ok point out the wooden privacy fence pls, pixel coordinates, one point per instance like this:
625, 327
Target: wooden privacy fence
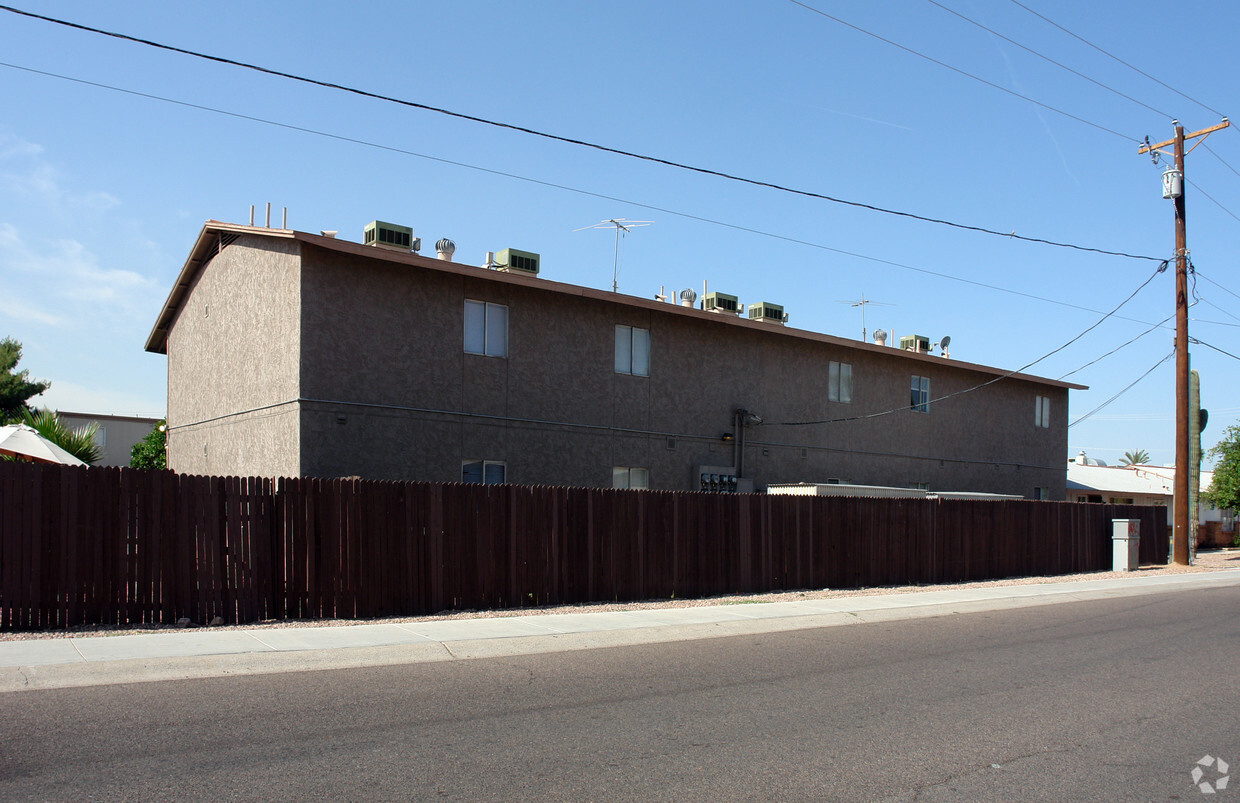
106, 545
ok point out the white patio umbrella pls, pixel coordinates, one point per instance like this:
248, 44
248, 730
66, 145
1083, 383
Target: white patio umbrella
21, 441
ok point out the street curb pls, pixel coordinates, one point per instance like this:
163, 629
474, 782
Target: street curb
831, 612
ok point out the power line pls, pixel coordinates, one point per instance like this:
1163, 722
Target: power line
1048, 59
1220, 309
1117, 348
1220, 158
563, 187
959, 71
1009, 374
1216, 348
1125, 390
1201, 275
1117, 58
582, 143
1212, 200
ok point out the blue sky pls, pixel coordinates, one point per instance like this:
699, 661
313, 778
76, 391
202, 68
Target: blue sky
102, 193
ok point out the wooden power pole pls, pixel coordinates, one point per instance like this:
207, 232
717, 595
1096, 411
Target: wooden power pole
1180, 515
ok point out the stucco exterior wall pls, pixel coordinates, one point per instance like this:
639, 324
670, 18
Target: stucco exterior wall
391, 394
116, 435
233, 365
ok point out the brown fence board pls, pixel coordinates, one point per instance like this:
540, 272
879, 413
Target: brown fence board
123, 546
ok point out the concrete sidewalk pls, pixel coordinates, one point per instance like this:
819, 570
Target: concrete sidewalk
184, 654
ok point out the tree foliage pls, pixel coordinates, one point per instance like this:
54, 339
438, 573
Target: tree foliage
1136, 457
16, 387
1224, 490
151, 451
78, 442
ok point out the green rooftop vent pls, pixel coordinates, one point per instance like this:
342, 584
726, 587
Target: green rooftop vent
389, 235
513, 261
721, 302
766, 311
917, 343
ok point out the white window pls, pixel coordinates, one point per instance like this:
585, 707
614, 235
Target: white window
839, 382
919, 401
630, 477
1042, 411
486, 328
485, 472
1041, 492
632, 351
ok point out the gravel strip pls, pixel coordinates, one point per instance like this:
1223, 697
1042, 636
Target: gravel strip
1211, 561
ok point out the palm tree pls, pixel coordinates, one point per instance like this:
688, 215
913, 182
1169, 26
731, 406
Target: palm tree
1135, 458
78, 442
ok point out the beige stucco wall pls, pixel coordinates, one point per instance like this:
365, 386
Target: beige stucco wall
395, 397
233, 364
116, 435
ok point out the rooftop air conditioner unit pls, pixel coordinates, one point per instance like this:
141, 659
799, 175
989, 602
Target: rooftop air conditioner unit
720, 302
513, 261
766, 311
917, 343
388, 235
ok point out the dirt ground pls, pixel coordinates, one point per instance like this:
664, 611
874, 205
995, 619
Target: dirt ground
1207, 561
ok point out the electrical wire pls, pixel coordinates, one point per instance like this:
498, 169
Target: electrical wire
1215, 348
1012, 235
1211, 199
1122, 392
565, 188
1116, 58
959, 71
1009, 374
1220, 158
1220, 309
1117, 348
1216, 284
1049, 59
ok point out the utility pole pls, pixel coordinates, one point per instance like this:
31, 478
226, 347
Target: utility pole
1180, 515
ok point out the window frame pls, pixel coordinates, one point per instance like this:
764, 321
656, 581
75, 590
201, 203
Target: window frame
485, 466
919, 394
1042, 411
491, 326
627, 360
839, 382
628, 473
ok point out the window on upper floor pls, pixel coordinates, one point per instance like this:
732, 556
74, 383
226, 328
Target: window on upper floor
484, 472
630, 477
839, 382
919, 400
632, 351
1042, 411
486, 328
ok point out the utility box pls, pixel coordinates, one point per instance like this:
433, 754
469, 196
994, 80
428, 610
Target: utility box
1125, 544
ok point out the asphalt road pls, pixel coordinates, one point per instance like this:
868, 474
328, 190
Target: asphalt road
1102, 700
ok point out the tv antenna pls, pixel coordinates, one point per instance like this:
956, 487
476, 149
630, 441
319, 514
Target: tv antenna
622, 226
863, 303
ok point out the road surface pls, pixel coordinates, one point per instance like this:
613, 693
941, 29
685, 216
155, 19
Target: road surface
1101, 700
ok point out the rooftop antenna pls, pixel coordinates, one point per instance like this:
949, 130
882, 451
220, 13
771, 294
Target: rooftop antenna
622, 226
862, 303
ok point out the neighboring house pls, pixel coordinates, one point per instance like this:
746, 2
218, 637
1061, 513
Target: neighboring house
116, 434
295, 354
1090, 480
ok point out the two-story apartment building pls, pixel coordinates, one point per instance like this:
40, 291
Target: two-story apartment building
296, 354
